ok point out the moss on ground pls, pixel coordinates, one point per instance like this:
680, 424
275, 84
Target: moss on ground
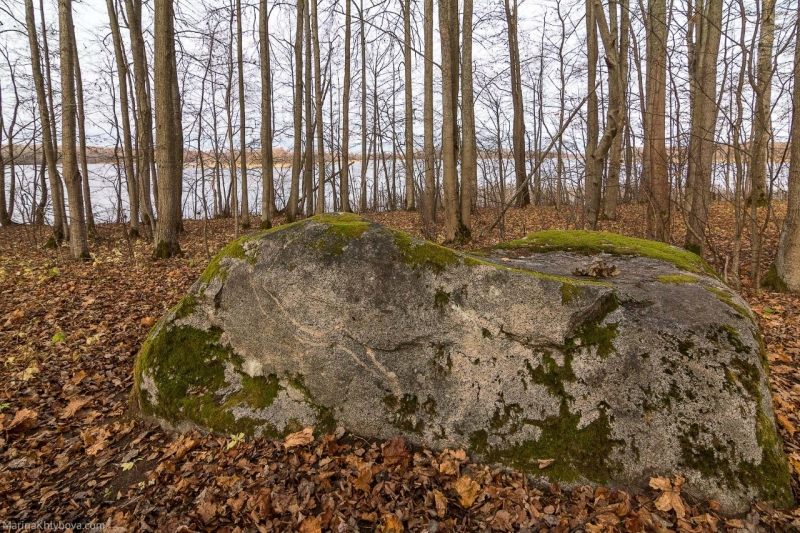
594, 242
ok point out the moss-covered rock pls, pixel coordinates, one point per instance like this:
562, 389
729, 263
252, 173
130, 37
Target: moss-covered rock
336, 320
596, 242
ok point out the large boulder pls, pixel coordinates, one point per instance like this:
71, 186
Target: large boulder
337, 321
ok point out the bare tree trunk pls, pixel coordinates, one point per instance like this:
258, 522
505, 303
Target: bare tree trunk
87, 199
469, 158
344, 187
144, 152
655, 150
48, 147
242, 121
518, 140
454, 230
320, 208
267, 163
127, 156
409, 107
294, 192
5, 219
785, 272
429, 203
593, 171
364, 153
78, 245
703, 85
234, 190
169, 136
308, 165
762, 86
619, 36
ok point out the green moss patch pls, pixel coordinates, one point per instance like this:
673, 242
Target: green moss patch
570, 291
326, 422
580, 454
727, 299
233, 250
771, 476
188, 367
677, 279
773, 281
424, 254
342, 228
594, 242
406, 412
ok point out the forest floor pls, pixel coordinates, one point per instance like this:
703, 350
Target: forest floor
71, 453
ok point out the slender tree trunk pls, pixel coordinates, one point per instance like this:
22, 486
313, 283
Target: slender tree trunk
5, 219
294, 193
320, 208
762, 86
364, 153
242, 121
703, 86
78, 245
593, 171
144, 130
518, 141
308, 166
87, 199
469, 157
656, 193
267, 163
410, 204
618, 36
344, 187
169, 135
48, 147
454, 230
234, 189
787, 260
429, 203
127, 156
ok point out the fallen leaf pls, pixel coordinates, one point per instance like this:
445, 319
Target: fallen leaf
441, 503
23, 420
364, 478
467, 490
787, 424
670, 499
73, 407
301, 438
544, 463
392, 524
311, 524
207, 511
148, 321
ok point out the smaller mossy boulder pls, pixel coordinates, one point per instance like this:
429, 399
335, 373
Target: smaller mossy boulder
338, 321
